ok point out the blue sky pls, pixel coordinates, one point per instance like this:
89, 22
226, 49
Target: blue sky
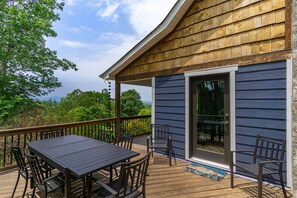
96, 33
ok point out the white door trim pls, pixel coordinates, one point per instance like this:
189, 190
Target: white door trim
222, 70
289, 123
153, 116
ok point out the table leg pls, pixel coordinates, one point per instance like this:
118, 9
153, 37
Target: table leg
89, 185
67, 183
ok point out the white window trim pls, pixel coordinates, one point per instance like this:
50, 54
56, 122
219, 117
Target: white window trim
289, 123
222, 70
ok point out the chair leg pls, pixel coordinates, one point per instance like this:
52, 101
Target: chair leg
174, 157
16, 184
33, 193
170, 155
282, 184
260, 178
116, 172
31, 183
143, 193
26, 184
110, 174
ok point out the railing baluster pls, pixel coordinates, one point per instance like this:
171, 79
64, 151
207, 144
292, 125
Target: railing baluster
10, 156
4, 151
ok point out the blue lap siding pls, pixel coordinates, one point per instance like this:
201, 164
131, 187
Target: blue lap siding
260, 105
170, 109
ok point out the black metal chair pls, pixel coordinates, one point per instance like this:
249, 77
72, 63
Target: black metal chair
23, 169
103, 135
160, 139
268, 159
131, 182
45, 185
48, 135
122, 140
51, 134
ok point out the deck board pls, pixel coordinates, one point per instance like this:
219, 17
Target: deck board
163, 181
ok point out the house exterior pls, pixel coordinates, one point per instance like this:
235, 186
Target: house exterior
222, 72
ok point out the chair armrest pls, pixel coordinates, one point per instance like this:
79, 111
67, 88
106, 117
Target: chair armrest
242, 151
149, 137
50, 178
106, 187
272, 162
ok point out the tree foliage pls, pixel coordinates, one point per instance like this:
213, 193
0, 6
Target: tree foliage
131, 103
27, 66
80, 106
76, 106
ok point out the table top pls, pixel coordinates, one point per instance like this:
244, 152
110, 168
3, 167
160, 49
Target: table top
79, 154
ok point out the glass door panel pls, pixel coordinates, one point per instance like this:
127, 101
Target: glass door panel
210, 118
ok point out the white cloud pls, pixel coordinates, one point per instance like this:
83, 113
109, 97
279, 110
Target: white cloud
70, 2
107, 9
72, 44
80, 29
145, 15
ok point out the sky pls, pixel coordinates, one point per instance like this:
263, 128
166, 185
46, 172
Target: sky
94, 34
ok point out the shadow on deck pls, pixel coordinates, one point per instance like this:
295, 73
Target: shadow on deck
163, 181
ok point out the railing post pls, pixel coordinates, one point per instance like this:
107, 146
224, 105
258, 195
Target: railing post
118, 106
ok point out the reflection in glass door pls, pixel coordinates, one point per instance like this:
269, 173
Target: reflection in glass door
210, 117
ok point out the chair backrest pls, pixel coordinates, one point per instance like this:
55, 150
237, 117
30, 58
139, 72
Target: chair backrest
35, 168
124, 140
51, 134
17, 154
160, 132
133, 177
105, 136
269, 149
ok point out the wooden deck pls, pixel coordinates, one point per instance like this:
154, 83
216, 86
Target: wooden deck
163, 181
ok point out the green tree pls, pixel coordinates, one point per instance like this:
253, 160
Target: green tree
79, 106
131, 103
147, 110
27, 66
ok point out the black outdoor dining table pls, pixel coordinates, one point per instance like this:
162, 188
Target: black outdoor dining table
78, 155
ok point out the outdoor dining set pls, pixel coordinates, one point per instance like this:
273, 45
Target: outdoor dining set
77, 157
57, 160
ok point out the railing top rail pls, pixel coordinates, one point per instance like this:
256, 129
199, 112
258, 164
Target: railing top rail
7, 132
135, 117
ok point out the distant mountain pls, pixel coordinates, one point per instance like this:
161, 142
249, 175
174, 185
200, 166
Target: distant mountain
46, 98
58, 98
147, 102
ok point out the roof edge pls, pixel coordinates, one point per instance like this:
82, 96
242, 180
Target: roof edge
163, 29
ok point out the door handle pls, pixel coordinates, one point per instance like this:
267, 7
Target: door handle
226, 124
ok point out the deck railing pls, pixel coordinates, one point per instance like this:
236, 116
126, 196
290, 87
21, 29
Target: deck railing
136, 125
